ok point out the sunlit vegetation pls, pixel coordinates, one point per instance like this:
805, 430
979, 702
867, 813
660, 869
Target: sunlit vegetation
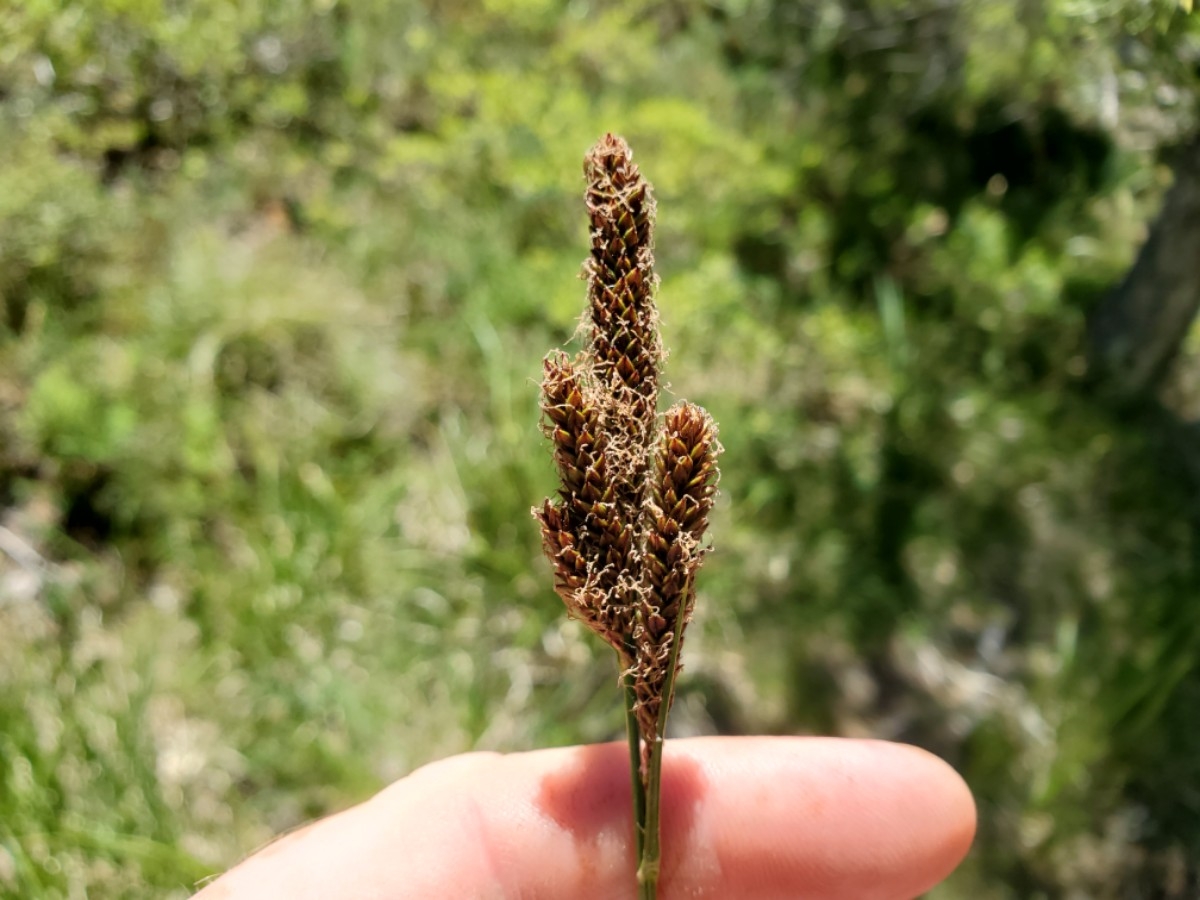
277, 279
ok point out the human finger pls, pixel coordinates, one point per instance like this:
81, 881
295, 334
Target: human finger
742, 818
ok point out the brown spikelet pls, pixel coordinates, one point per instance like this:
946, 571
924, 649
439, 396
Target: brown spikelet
684, 487
623, 341
583, 534
625, 344
573, 424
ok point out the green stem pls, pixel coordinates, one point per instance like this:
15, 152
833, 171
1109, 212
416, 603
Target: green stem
635, 762
648, 869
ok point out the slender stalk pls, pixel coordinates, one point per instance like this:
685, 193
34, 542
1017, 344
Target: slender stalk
639, 788
648, 867
650, 862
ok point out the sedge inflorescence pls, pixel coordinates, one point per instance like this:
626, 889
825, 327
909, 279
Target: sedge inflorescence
625, 531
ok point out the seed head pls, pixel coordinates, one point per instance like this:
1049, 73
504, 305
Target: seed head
624, 533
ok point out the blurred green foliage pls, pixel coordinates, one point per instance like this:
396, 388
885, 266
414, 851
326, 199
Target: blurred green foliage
276, 280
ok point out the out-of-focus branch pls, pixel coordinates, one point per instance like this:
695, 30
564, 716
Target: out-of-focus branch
1137, 330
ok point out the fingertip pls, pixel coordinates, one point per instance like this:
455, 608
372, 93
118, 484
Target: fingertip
950, 793
817, 817
942, 803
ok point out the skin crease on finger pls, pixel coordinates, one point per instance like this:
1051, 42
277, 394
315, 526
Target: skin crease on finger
796, 818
